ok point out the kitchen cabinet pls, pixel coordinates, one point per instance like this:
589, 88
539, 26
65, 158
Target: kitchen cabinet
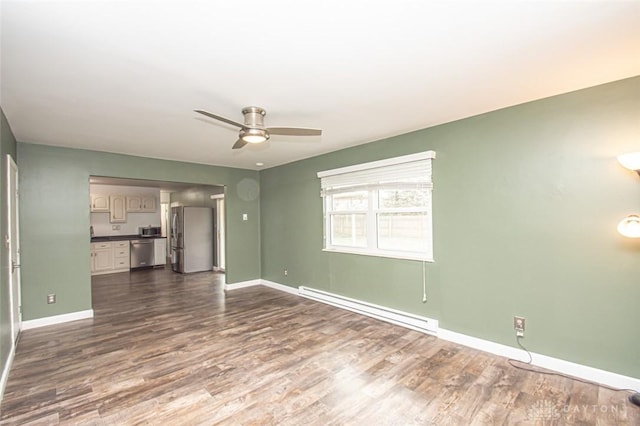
101, 258
118, 209
141, 204
160, 251
121, 260
134, 203
99, 203
149, 203
109, 257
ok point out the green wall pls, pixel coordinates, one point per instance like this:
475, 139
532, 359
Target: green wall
54, 219
526, 204
7, 146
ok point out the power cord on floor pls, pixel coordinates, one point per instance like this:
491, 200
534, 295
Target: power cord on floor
513, 362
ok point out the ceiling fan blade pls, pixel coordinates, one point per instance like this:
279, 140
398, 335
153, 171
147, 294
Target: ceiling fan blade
239, 144
294, 131
217, 117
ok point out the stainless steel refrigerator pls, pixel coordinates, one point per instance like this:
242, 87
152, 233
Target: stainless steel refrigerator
191, 239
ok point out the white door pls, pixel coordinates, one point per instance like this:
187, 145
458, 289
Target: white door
13, 248
220, 235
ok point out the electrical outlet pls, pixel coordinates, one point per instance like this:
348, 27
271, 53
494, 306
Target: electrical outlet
286, 272
518, 325
51, 298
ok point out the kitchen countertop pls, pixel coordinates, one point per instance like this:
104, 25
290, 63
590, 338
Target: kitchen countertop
121, 238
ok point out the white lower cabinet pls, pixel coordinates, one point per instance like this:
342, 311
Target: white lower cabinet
109, 257
159, 251
101, 258
121, 258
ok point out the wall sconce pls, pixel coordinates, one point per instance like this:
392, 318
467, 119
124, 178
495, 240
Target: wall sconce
630, 225
631, 161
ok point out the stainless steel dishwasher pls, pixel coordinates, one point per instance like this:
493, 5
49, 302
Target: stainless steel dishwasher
141, 253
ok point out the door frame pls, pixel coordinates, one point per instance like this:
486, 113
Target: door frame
220, 236
13, 242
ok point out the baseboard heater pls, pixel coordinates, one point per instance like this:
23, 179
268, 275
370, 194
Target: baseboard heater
404, 319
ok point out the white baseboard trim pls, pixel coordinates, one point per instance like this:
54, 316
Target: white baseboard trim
281, 287
592, 374
5, 371
241, 284
57, 319
559, 365
265, 283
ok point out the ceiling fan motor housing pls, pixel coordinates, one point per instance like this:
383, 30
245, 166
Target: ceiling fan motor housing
254, 117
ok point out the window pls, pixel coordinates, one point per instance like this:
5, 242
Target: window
382, 208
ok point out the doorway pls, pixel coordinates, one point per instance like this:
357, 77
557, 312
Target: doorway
12, 240
219, 261
169, 194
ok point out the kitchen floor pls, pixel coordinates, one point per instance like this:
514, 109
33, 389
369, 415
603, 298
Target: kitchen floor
168, 348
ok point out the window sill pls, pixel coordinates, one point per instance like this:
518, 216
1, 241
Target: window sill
403, 256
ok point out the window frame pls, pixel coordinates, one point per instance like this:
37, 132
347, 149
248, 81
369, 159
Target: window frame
372, 234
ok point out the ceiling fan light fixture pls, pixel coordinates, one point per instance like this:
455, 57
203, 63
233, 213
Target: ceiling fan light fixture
254, 131
254, 135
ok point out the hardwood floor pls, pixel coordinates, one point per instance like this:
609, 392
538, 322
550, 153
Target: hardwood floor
174, 349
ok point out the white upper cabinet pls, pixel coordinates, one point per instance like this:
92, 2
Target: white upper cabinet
122, 210
149, 203
134, 203
99, 203
141, 203
118, 210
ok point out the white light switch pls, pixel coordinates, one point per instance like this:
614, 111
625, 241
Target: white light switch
245, 216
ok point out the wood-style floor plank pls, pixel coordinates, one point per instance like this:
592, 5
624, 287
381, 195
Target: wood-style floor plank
165, 348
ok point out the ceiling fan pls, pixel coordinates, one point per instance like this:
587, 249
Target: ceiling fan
253, 129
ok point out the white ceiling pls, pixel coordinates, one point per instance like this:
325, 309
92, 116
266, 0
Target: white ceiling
125, 76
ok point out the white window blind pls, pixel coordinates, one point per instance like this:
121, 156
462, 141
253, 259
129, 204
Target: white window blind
409, 170
380, 208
